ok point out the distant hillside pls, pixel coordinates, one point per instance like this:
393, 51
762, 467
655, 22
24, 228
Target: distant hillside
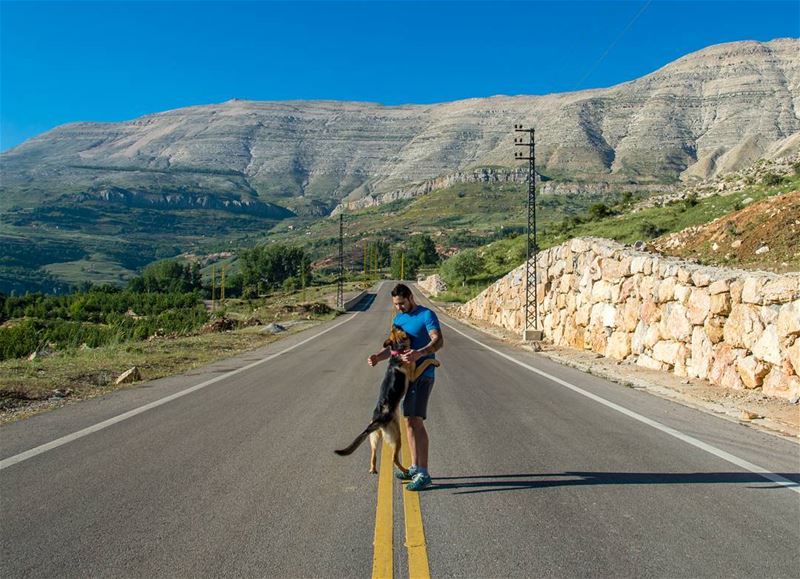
97, 201
711, 111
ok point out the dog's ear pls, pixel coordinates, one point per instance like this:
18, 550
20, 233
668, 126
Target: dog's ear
387, 343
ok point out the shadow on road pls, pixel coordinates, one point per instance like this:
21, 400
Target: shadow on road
363, 304
515, 482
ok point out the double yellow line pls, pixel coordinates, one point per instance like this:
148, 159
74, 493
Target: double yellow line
383, 556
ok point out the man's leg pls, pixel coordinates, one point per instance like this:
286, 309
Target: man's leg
418, 441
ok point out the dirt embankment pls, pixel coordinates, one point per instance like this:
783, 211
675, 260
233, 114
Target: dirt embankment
762, 235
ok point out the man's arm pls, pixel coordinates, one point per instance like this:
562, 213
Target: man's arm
378, 356
436, 343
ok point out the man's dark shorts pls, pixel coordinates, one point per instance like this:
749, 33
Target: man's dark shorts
416, 401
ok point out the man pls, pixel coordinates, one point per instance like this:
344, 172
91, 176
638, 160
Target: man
422, 326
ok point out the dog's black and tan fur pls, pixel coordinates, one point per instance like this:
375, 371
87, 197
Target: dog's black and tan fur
385, 418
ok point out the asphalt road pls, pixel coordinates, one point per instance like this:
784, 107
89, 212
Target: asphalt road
533, 476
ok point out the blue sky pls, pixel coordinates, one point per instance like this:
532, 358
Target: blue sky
108, 61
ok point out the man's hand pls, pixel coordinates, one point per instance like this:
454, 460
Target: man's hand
372, 360
411, 356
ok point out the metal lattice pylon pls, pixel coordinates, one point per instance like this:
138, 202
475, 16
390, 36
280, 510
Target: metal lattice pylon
531, 331
340, 284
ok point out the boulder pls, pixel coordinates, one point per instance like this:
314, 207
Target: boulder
128, 376
751, 371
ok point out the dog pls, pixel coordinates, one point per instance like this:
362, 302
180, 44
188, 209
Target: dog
385, 418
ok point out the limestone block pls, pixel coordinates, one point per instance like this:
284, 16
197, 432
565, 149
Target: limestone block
677, 322
714, 328
586, 279
701, 278
603, 247
595, 271
751, 371
793, 355
681, 362
781, 384
653, 335
629, 288
769, 314
682, 293
719, 286
610, 268
566, 256
637, 264
699, 306
666, 290
667, 269
598, 339
619, 346
556, 270
650, 312
630, 315
720, 303
768, 347
780, 290
647, 287
637, 340
583, 315
666, 351
646, 361
743, 327
574, 336
601, 291
789, 319
684, 275
579, 245
736, 287
752, 291
625, 266
702, 354
723, 368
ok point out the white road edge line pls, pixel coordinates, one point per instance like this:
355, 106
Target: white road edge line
740, 462
131, 413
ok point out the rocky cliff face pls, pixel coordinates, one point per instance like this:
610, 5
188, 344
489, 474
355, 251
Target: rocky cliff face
712, 111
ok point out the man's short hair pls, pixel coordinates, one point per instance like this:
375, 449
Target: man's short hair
401, 290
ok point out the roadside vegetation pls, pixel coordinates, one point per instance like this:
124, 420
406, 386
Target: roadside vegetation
59, 347
615, 218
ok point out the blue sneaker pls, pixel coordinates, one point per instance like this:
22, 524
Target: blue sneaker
419, 482
399, 474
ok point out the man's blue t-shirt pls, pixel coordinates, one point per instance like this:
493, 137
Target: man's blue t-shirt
417, 324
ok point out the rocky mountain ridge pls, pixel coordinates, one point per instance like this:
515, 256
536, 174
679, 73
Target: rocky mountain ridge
710, 112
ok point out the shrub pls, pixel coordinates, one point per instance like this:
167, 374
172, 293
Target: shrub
464, 264
650, 230
771, 180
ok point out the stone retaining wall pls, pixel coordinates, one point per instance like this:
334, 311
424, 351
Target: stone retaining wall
735, 328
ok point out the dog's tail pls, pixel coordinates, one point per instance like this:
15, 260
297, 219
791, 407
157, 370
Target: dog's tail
372, 427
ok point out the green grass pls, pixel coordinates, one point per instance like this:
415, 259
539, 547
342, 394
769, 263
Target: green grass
504, 255
26, 385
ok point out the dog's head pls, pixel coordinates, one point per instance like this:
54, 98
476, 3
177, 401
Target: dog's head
398, 340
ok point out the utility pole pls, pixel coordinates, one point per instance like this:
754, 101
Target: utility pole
531, 331
222, 286
340, 285
213, 279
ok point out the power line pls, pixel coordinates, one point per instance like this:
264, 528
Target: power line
613, 44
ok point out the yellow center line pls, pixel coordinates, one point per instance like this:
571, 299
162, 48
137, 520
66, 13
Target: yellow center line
382, 556
415, 535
